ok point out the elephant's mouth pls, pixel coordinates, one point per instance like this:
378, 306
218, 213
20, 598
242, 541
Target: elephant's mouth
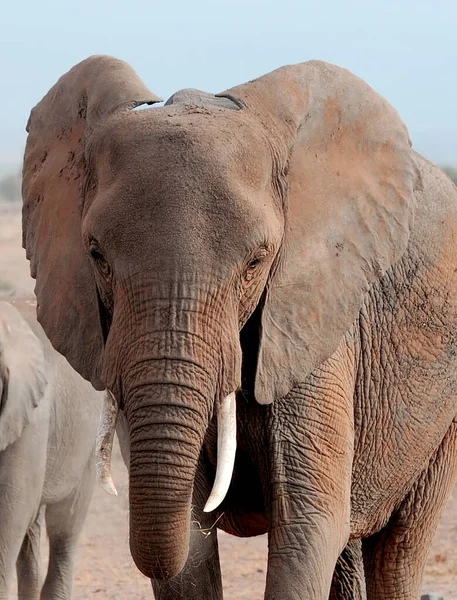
226, 448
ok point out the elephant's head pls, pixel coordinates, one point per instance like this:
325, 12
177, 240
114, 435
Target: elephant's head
154, 234
23, 373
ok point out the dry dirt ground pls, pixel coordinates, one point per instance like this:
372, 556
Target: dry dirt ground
105, 570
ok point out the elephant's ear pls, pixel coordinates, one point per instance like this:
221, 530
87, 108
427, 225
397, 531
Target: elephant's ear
344, 163
55, 176
23, 374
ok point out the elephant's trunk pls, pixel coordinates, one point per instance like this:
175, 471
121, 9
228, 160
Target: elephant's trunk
171, 388
167, 426
160, 501
171, 362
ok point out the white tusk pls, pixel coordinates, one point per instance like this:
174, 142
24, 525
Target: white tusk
104, 445
226, 449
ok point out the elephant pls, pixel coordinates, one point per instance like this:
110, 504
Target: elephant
49, 417
265, 280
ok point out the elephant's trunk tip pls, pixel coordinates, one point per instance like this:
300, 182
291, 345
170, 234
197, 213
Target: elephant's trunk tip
226, 450
104, 444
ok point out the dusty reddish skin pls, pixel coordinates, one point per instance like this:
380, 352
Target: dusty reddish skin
243, 560
153, 235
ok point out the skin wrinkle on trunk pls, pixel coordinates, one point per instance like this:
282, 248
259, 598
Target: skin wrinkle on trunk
178, 356
156, 312
161, 480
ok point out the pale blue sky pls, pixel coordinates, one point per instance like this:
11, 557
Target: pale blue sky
405, 49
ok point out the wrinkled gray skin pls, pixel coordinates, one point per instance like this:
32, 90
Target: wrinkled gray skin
48, 423
349, 576
296, 251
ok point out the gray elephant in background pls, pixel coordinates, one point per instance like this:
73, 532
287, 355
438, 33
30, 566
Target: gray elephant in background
48, 424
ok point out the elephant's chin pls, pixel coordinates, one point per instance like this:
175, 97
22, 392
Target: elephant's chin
161, 554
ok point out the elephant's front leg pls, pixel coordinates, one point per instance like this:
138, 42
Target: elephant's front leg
201, 576
311, 460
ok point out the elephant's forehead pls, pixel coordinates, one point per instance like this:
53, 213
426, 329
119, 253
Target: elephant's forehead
175, 141
204, 162
186, 187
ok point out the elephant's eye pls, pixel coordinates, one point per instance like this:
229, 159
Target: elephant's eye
99, 260
96, 254
254, 262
